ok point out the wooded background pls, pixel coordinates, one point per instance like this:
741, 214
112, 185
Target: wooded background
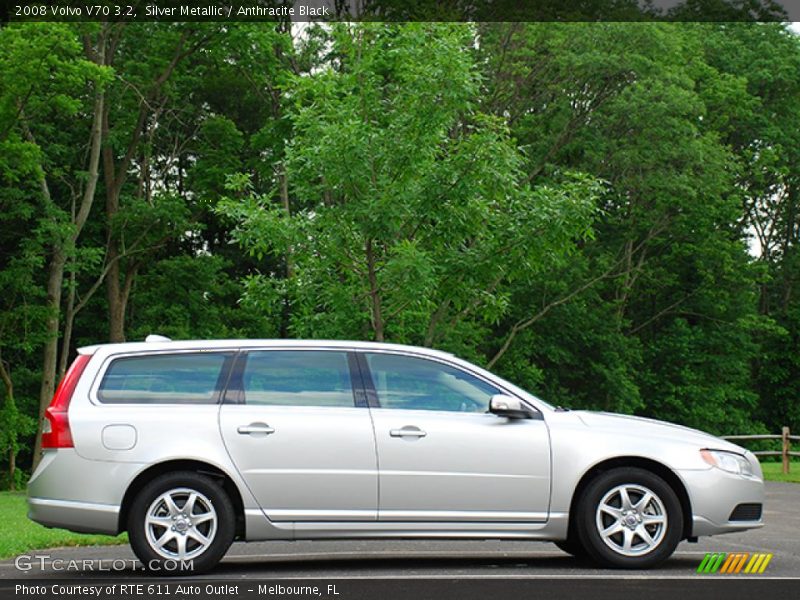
604, 213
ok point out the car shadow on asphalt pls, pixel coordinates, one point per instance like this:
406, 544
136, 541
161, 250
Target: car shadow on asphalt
432, 565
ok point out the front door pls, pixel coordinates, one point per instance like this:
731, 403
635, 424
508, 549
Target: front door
303, 447
443, 456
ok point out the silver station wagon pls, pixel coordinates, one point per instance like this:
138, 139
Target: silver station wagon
191, 445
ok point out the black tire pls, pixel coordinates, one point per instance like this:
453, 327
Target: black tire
210, 498
610, 551
572, 546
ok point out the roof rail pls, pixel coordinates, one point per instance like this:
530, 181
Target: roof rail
156, 338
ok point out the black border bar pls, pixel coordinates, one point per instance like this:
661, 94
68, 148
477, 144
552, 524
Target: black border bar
596, 588
399, 10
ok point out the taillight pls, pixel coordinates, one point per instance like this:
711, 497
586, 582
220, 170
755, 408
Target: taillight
55, 429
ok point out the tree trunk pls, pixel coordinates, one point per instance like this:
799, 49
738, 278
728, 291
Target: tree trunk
116, 306
69, 319
286, 309
119, 292
284, 180
12, 468
55, 275
55, 280
116, 318
11, 406
374, 294
116, 311
789, 247
115, 173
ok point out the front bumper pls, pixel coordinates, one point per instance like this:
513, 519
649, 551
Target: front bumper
714, 494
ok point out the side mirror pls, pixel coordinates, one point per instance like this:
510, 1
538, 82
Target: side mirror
506, 406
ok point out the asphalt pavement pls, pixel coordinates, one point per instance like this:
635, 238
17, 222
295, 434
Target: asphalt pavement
475, 561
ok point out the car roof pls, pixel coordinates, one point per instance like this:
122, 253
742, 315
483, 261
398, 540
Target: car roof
162, 344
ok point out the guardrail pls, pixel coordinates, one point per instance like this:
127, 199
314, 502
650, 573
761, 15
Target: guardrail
786, 442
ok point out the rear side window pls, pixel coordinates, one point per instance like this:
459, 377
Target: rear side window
163, 379
297, 378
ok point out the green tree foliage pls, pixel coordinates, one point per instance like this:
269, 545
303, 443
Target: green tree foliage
669, 269
765, 60
405, 195
47, 189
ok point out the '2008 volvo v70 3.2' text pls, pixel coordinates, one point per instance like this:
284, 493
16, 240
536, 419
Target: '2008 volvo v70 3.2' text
190, 445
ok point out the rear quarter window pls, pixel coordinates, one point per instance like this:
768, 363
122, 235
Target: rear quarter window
191, 378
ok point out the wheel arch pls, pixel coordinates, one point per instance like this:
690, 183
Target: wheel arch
172, 466
655, 467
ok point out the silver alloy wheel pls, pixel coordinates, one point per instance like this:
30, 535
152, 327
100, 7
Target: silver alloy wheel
631, 519
180, 524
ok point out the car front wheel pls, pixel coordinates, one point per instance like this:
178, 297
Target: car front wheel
181, 523
572, 546
629, 518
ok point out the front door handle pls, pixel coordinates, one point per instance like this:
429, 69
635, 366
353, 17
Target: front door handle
408, 431
255, 428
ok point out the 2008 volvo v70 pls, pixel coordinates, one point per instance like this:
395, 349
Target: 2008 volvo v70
190, 445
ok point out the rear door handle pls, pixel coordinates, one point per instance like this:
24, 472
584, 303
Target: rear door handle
255, 428
408, 431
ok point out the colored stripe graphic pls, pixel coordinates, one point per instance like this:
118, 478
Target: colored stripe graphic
751, 564
711, 563
734, 562
704, 563
765, 563
744, 558
729, 562
759, 563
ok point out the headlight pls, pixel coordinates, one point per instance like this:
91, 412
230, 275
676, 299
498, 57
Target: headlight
728, 461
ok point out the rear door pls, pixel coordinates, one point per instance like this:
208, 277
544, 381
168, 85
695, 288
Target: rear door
292, 427
443, 456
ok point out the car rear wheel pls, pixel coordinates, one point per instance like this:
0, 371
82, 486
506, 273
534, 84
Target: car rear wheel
629, 518
181, 523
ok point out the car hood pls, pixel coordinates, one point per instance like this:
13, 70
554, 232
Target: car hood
645, 427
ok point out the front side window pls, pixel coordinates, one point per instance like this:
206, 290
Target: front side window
189, 378
297, 378
411, 383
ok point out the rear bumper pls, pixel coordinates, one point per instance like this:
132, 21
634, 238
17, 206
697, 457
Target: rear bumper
714, 494
71, 492
81, 517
